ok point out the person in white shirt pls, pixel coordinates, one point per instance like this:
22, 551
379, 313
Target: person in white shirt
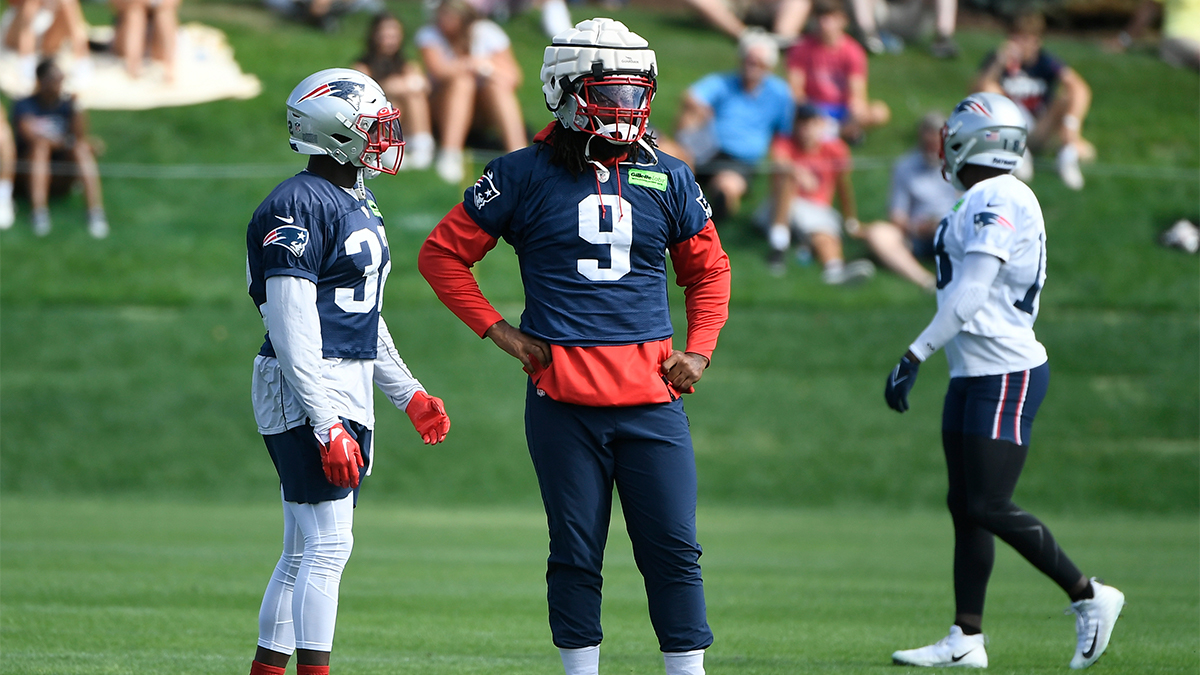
991, 266
475, 78
317, 259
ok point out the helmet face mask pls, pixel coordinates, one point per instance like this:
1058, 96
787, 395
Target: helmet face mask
344, 114
613, 107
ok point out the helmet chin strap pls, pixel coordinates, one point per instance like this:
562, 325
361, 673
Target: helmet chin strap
360, 189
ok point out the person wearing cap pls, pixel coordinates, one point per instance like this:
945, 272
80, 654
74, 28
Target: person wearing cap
728, 119
808, 168
918, 198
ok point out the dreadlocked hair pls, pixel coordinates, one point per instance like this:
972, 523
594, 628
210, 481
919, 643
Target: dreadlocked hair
568, 148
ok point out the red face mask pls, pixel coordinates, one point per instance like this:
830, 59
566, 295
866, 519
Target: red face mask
617, 106
385, 140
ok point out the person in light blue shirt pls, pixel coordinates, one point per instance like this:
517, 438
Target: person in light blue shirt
728, 120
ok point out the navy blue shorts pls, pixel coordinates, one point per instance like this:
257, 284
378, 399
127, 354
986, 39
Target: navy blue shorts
297, 458
999, 407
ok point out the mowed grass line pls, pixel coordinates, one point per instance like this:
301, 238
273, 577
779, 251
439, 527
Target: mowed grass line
162, 587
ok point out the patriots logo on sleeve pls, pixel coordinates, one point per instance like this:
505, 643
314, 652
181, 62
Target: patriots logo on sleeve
292, 237
485, 190
985, 218
703, 202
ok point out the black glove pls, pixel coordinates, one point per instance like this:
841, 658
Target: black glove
899, 381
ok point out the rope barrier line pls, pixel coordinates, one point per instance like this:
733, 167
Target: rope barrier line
249, 171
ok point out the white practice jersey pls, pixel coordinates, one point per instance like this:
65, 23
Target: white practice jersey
1001, 217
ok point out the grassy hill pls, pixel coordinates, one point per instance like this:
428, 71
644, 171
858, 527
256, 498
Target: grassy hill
124, 364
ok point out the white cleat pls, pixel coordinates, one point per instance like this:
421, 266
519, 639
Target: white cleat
953, 651
1094, 621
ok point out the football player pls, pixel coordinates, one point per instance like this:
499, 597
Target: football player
317, 260
592, 210
991, 265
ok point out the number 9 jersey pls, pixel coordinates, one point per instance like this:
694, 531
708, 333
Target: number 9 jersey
1000, 217
310, 228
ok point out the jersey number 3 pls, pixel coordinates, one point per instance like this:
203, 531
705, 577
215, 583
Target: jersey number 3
372, 289
619, 239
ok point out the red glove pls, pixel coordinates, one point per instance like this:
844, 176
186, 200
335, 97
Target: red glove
429, 418
342, 458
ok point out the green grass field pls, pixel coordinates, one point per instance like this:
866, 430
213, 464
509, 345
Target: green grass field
121, 587
139, 513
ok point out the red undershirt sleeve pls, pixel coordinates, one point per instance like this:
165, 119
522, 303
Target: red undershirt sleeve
702, 269
445, 261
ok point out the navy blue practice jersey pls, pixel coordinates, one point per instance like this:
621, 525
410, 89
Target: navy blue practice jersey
592, 256
310, 228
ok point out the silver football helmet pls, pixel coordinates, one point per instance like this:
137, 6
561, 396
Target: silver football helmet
345, 114
599, 78
985, 129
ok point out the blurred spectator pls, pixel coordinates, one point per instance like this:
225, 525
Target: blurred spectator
403, 82
785, 18
1180, 46
62, 21
1025, 72
728, 119
556, 18
829, 71
322, 14
142, 21
8, 167
919, 197
809, 167
475, 78
906, 19
49, 128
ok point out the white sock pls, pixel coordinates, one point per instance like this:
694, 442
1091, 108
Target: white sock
780, 237
684, 663
5, 190
582, 661
556, 18
835, 265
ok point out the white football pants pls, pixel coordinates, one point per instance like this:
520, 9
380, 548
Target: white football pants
299, 609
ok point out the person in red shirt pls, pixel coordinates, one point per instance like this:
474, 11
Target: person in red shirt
592, 210
808, 169
828, 70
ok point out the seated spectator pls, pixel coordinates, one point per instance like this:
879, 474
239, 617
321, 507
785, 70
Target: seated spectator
475, 78
728, 119
906, 19
1054, 98
32, 38
405, 86
8, 170
809, 167
828, 70
919, 198
1180, 45
784, 18
49, 128
556, 17
142, 21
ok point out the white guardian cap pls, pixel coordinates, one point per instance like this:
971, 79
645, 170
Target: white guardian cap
345, 114
984, 129
599, 78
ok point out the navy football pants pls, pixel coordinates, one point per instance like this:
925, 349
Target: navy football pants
579, 453
986, 424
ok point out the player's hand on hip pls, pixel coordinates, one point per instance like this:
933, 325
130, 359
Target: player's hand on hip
533, 353
429, 418
341, 457
900, 381
683, 369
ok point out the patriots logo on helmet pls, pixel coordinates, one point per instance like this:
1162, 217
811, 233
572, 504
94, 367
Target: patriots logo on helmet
485, 190
349, 91
971, 105
291, 237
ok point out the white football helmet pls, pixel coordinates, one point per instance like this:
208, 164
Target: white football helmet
984, 129
345, 114
599, 78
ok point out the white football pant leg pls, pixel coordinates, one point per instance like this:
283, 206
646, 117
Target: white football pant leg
328, 540
275, 615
